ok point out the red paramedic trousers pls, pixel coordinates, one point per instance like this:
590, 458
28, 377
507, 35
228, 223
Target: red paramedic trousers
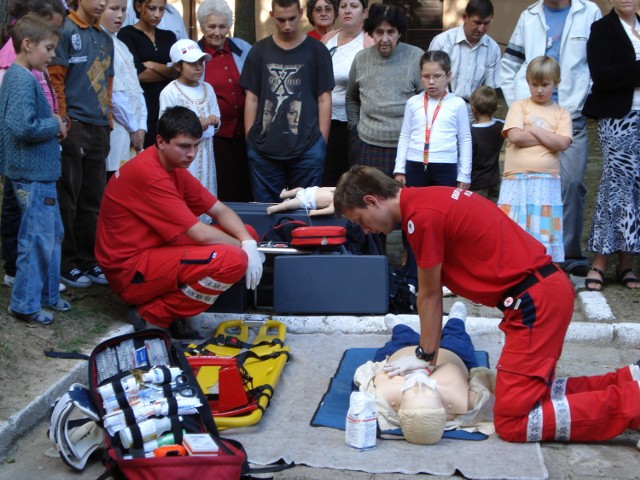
531, 404
183, 281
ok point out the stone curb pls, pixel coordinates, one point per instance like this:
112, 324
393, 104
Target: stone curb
30, 415
599, 327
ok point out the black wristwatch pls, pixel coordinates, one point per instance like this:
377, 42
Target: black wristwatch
422, 355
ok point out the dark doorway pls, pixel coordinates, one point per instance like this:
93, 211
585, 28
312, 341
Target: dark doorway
425, 20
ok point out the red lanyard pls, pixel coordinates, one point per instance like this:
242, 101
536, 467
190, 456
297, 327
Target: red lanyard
427, 132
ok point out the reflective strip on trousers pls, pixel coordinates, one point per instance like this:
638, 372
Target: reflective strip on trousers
534, 425
563, 418
210, 283
198, 296
561, 411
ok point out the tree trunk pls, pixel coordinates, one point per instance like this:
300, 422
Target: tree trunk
245, 22
4, 18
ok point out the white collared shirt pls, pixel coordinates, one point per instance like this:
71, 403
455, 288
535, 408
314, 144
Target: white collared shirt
471, 66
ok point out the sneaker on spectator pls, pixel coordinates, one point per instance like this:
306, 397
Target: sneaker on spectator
96, 275
75, 278
10, 280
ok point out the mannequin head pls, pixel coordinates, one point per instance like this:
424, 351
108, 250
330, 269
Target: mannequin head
422, 415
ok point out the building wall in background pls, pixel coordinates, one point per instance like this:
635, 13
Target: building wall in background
426, 12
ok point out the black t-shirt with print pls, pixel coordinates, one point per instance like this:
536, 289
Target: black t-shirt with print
287, 83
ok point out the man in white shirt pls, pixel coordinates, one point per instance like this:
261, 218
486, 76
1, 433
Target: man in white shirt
559, 29
475, 57
171, 20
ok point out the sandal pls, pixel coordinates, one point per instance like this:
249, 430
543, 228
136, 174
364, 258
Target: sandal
594, 284
626, 280
61, 306
41, 318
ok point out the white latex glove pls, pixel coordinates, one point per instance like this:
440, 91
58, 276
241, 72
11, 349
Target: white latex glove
254, 267
404, 365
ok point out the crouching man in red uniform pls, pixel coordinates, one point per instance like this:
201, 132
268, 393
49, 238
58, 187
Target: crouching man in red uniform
465, 242
156, 253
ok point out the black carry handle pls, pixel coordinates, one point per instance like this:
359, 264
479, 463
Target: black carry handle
67, 355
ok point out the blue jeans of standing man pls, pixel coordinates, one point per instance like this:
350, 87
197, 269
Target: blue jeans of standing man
269, 177
39, 246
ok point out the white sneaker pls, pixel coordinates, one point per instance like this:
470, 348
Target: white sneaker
458, 310
446, 292
391, 320
9, 281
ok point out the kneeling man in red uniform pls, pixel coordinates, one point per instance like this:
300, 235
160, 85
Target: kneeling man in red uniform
151, 245
465, 242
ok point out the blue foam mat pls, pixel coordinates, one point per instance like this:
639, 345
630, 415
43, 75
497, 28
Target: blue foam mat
334, 405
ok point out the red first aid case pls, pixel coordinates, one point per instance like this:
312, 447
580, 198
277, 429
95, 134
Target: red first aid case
133, 354
318, 236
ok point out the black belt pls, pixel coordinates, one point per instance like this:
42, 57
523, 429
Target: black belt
526, 284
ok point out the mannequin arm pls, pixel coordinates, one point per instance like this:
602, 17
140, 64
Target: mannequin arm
290, 193
289, 204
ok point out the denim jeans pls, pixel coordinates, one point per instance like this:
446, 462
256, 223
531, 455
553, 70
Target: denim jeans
269, 177
39, 243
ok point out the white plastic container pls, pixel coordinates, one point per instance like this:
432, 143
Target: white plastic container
158, 375
149, 429
360, 432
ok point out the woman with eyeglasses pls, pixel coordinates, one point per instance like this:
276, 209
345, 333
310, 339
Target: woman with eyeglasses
322, 15
343, 44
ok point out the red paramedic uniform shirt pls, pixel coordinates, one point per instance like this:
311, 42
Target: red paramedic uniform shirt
145, 207
483, 252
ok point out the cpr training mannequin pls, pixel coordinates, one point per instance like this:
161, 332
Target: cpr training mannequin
457, 394
316, 200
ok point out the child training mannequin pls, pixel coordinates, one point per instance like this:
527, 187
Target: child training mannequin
424, 405
316, 200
